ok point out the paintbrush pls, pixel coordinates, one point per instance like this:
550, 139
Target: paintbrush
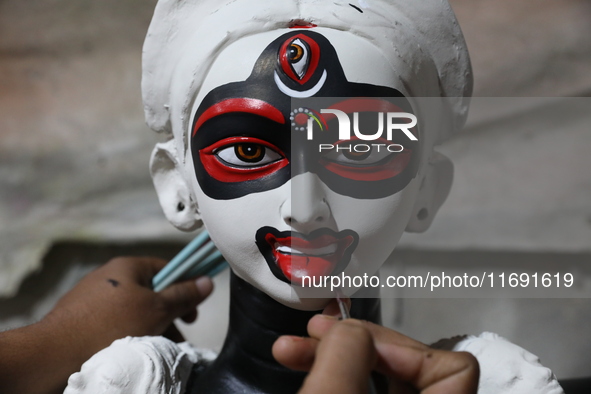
198, 258
346, 314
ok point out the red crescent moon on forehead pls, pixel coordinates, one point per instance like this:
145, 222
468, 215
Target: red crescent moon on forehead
314, 58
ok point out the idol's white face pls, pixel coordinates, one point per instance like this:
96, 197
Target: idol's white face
274, 216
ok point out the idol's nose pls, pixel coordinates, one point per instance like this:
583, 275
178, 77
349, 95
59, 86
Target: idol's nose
306, 208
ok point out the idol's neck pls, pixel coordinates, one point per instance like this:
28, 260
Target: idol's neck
245, 364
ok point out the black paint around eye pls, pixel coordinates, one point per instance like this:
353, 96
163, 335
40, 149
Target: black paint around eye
301, 155
356, 155
245, 125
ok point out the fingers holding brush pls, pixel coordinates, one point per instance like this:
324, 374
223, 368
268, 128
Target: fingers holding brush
345, 352
344, 359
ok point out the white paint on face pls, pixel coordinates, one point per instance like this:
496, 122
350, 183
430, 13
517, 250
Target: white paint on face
298, 204
295, 206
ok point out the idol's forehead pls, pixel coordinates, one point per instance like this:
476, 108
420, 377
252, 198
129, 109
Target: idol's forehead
362, 62
420, 39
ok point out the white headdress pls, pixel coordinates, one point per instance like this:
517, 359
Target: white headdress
185, 37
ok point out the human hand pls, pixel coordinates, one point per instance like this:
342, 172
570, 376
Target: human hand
112, 302
340, 356
117, 300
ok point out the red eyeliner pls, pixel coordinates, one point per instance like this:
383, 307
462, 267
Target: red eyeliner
223, 172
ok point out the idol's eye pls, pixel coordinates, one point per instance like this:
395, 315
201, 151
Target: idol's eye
250, 153
356, 156
354, 153
247, 155
298, 55
295, 52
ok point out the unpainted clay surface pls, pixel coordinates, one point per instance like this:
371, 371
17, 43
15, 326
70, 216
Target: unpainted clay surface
507, 368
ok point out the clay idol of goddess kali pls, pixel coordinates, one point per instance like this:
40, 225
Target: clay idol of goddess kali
220, 79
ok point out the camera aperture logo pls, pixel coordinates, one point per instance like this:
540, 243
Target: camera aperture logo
358, 126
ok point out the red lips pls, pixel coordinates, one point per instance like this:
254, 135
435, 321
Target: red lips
316, 257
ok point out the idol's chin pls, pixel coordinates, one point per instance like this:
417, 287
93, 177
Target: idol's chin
306, 303
295, 297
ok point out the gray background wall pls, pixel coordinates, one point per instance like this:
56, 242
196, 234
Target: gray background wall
74, 185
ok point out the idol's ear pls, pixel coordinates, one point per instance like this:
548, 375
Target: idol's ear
174, 193
434, 189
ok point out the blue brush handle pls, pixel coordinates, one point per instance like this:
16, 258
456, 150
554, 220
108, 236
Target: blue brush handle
187, 251
198, 258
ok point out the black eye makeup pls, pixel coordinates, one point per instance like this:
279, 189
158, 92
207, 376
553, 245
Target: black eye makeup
247, 137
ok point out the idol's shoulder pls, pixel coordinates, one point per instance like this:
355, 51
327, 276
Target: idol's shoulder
151, 364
